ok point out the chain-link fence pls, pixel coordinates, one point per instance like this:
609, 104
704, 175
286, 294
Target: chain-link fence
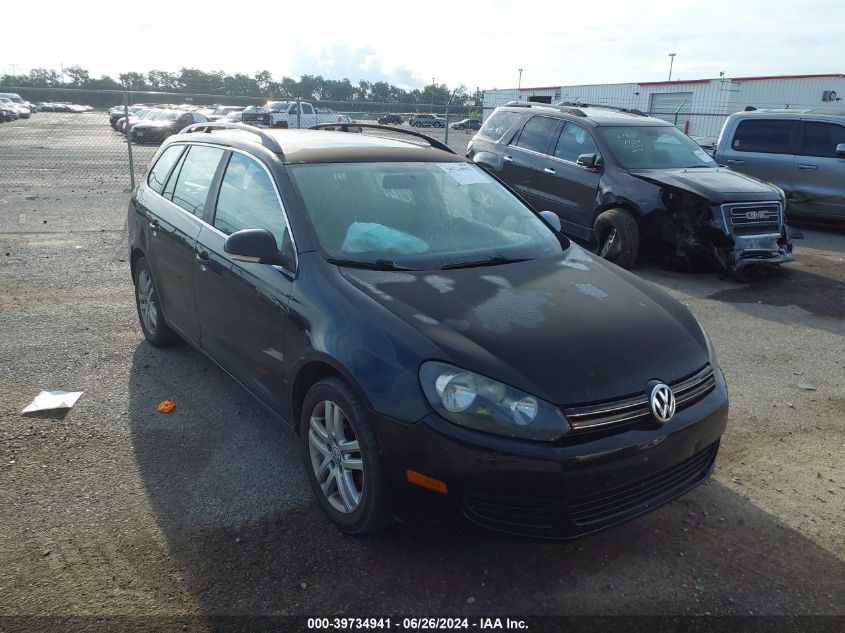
78, 139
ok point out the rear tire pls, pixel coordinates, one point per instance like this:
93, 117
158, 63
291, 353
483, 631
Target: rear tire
342, 458
155, 328
618, 237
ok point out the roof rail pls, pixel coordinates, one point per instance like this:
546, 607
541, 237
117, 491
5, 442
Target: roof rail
345, 127
267, 140
577, 104
565, 107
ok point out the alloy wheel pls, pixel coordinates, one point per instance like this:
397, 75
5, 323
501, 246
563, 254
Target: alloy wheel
147, 305
336, 457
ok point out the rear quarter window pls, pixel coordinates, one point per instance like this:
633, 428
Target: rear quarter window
767, 136
497, 124
161, 170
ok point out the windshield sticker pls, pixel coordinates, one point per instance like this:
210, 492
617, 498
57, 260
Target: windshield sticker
464, 173
704, 156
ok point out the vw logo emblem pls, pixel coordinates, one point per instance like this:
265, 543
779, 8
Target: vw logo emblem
662, 402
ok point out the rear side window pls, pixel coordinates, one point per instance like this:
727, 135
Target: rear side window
195, 178
536, 134
497, 124
574, 141
821, 139
161, 170
767, 136
248, 200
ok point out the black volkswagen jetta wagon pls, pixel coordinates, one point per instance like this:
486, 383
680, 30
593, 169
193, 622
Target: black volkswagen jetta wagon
434, 342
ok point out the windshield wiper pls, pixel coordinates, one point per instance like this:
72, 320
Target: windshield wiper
378, 264
492, 261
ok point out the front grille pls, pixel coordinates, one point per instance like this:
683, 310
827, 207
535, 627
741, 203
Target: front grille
753, 218
626, 501
522, 516
633, 409
255, 117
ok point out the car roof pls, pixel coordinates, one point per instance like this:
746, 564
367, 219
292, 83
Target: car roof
780, 113
323, 146
591, 115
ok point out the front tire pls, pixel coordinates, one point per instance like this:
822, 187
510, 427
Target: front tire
618, 237
155, 328
342, 459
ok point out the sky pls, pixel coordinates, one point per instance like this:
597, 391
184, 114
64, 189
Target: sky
480, 44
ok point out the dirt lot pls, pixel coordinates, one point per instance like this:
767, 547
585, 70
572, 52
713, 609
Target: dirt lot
117, 509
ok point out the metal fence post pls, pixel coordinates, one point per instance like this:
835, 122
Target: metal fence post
446, 139
298, 113
128, 141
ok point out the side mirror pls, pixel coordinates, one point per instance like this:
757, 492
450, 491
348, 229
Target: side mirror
257, 246
588, 160
552, 218
840, 150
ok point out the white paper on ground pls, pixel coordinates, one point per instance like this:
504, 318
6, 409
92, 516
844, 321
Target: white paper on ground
48, 400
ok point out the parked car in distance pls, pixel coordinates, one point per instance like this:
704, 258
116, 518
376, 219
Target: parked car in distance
467, 124
165, 123
427, 120
622, 180
223, 111
435, 342
233, 117
16, 99
7, 113
391, 119
286, 114
22, 111
800, 151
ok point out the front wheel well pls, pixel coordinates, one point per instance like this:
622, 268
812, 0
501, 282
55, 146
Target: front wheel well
309, 375
137, 254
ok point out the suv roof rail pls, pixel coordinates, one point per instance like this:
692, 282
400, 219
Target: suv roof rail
267, 140
578, 104
565, 106
345, 127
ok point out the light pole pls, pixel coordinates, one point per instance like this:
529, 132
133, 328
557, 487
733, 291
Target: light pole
671, 63
519, 85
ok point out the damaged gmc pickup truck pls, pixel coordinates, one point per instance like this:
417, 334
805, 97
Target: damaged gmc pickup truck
625, 182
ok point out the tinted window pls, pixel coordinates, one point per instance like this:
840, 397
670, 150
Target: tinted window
195, 178
158, 174
767, 136
574, 141
536, 133
171, 183
497, 124
248, 200
821, 139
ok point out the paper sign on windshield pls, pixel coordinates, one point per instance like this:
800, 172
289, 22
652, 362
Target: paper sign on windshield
465, 174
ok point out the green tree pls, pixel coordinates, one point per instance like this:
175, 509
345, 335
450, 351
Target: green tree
133, 81
163, 80
264, 80
78, 76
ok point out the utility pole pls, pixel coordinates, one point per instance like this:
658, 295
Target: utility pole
519, 85
671, 63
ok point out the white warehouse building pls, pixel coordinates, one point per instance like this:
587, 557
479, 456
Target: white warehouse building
698, 106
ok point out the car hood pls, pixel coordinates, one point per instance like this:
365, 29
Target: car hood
154, 124
713, 183
570, 330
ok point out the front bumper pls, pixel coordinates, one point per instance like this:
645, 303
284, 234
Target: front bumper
552, 490
756, 250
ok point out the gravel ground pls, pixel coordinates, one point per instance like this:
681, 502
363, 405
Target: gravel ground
117, 509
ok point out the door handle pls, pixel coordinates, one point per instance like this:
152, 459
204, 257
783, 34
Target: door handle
154, 225
807, 167
507, 159
549, 170
734, 161
202, 257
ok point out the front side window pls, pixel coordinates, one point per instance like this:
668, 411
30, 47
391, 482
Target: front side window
767, 136
821, 139
657, 147
418, 215
574, 141
161, 170
536, 133
497, 124
248, 200
195, 178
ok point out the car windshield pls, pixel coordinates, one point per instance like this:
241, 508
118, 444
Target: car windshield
419, 215
664, 147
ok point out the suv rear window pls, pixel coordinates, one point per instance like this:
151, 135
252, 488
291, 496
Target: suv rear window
821, 139
536, 133
195, 178
767, 136
497, 124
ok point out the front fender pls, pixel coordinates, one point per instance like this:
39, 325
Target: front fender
489, 161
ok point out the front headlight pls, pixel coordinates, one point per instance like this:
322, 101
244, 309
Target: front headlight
471, 400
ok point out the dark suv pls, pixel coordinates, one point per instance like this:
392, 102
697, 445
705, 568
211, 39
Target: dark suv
620, 179
391, 119
434, 342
